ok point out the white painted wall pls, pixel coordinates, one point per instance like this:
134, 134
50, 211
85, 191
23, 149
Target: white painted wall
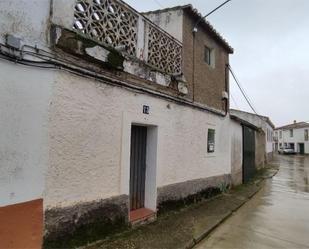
90, 125
26, 19
236, 152
63, 13
70, 137
24, 101
269, 142
169, 21
258, 122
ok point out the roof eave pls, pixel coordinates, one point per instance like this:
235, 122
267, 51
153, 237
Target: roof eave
209, 28
244, 122
266, 119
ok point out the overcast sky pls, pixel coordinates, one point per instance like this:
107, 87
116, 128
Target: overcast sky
271, 59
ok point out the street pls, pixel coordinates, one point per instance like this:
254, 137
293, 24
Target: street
277, 217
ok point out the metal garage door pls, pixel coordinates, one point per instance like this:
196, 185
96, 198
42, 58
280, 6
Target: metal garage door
248, 153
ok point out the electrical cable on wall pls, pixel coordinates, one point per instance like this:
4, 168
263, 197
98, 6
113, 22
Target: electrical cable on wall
46, 60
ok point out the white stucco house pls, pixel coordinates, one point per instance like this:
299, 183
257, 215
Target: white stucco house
104, 118
262, 122
251, 144
294, 136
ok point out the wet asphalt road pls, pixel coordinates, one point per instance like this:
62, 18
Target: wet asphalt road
277, 217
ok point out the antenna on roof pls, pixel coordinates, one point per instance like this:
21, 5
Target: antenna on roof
202, 18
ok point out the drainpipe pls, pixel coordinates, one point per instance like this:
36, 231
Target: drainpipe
227, 89
193, 66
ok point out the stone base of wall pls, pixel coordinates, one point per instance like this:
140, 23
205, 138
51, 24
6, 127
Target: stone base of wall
269, 156
237, 178
85, 222
21, 225
260, 165
183, 193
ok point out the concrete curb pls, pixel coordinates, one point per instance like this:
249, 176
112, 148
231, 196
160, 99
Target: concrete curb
207, 232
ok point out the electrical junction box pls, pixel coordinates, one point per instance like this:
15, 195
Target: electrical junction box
13, 41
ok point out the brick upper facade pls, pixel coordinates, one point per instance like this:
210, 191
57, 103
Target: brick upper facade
206, 82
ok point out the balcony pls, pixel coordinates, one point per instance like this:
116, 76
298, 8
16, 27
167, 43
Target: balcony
114, 24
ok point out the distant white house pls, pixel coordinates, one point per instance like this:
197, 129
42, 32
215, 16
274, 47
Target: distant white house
251, 144
294, 136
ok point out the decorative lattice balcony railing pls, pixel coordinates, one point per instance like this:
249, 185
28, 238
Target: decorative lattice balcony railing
163, 52
115, 24
108, 22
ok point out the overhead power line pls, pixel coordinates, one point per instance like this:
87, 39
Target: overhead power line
204, 17
242, 88
158, 3
242, 91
